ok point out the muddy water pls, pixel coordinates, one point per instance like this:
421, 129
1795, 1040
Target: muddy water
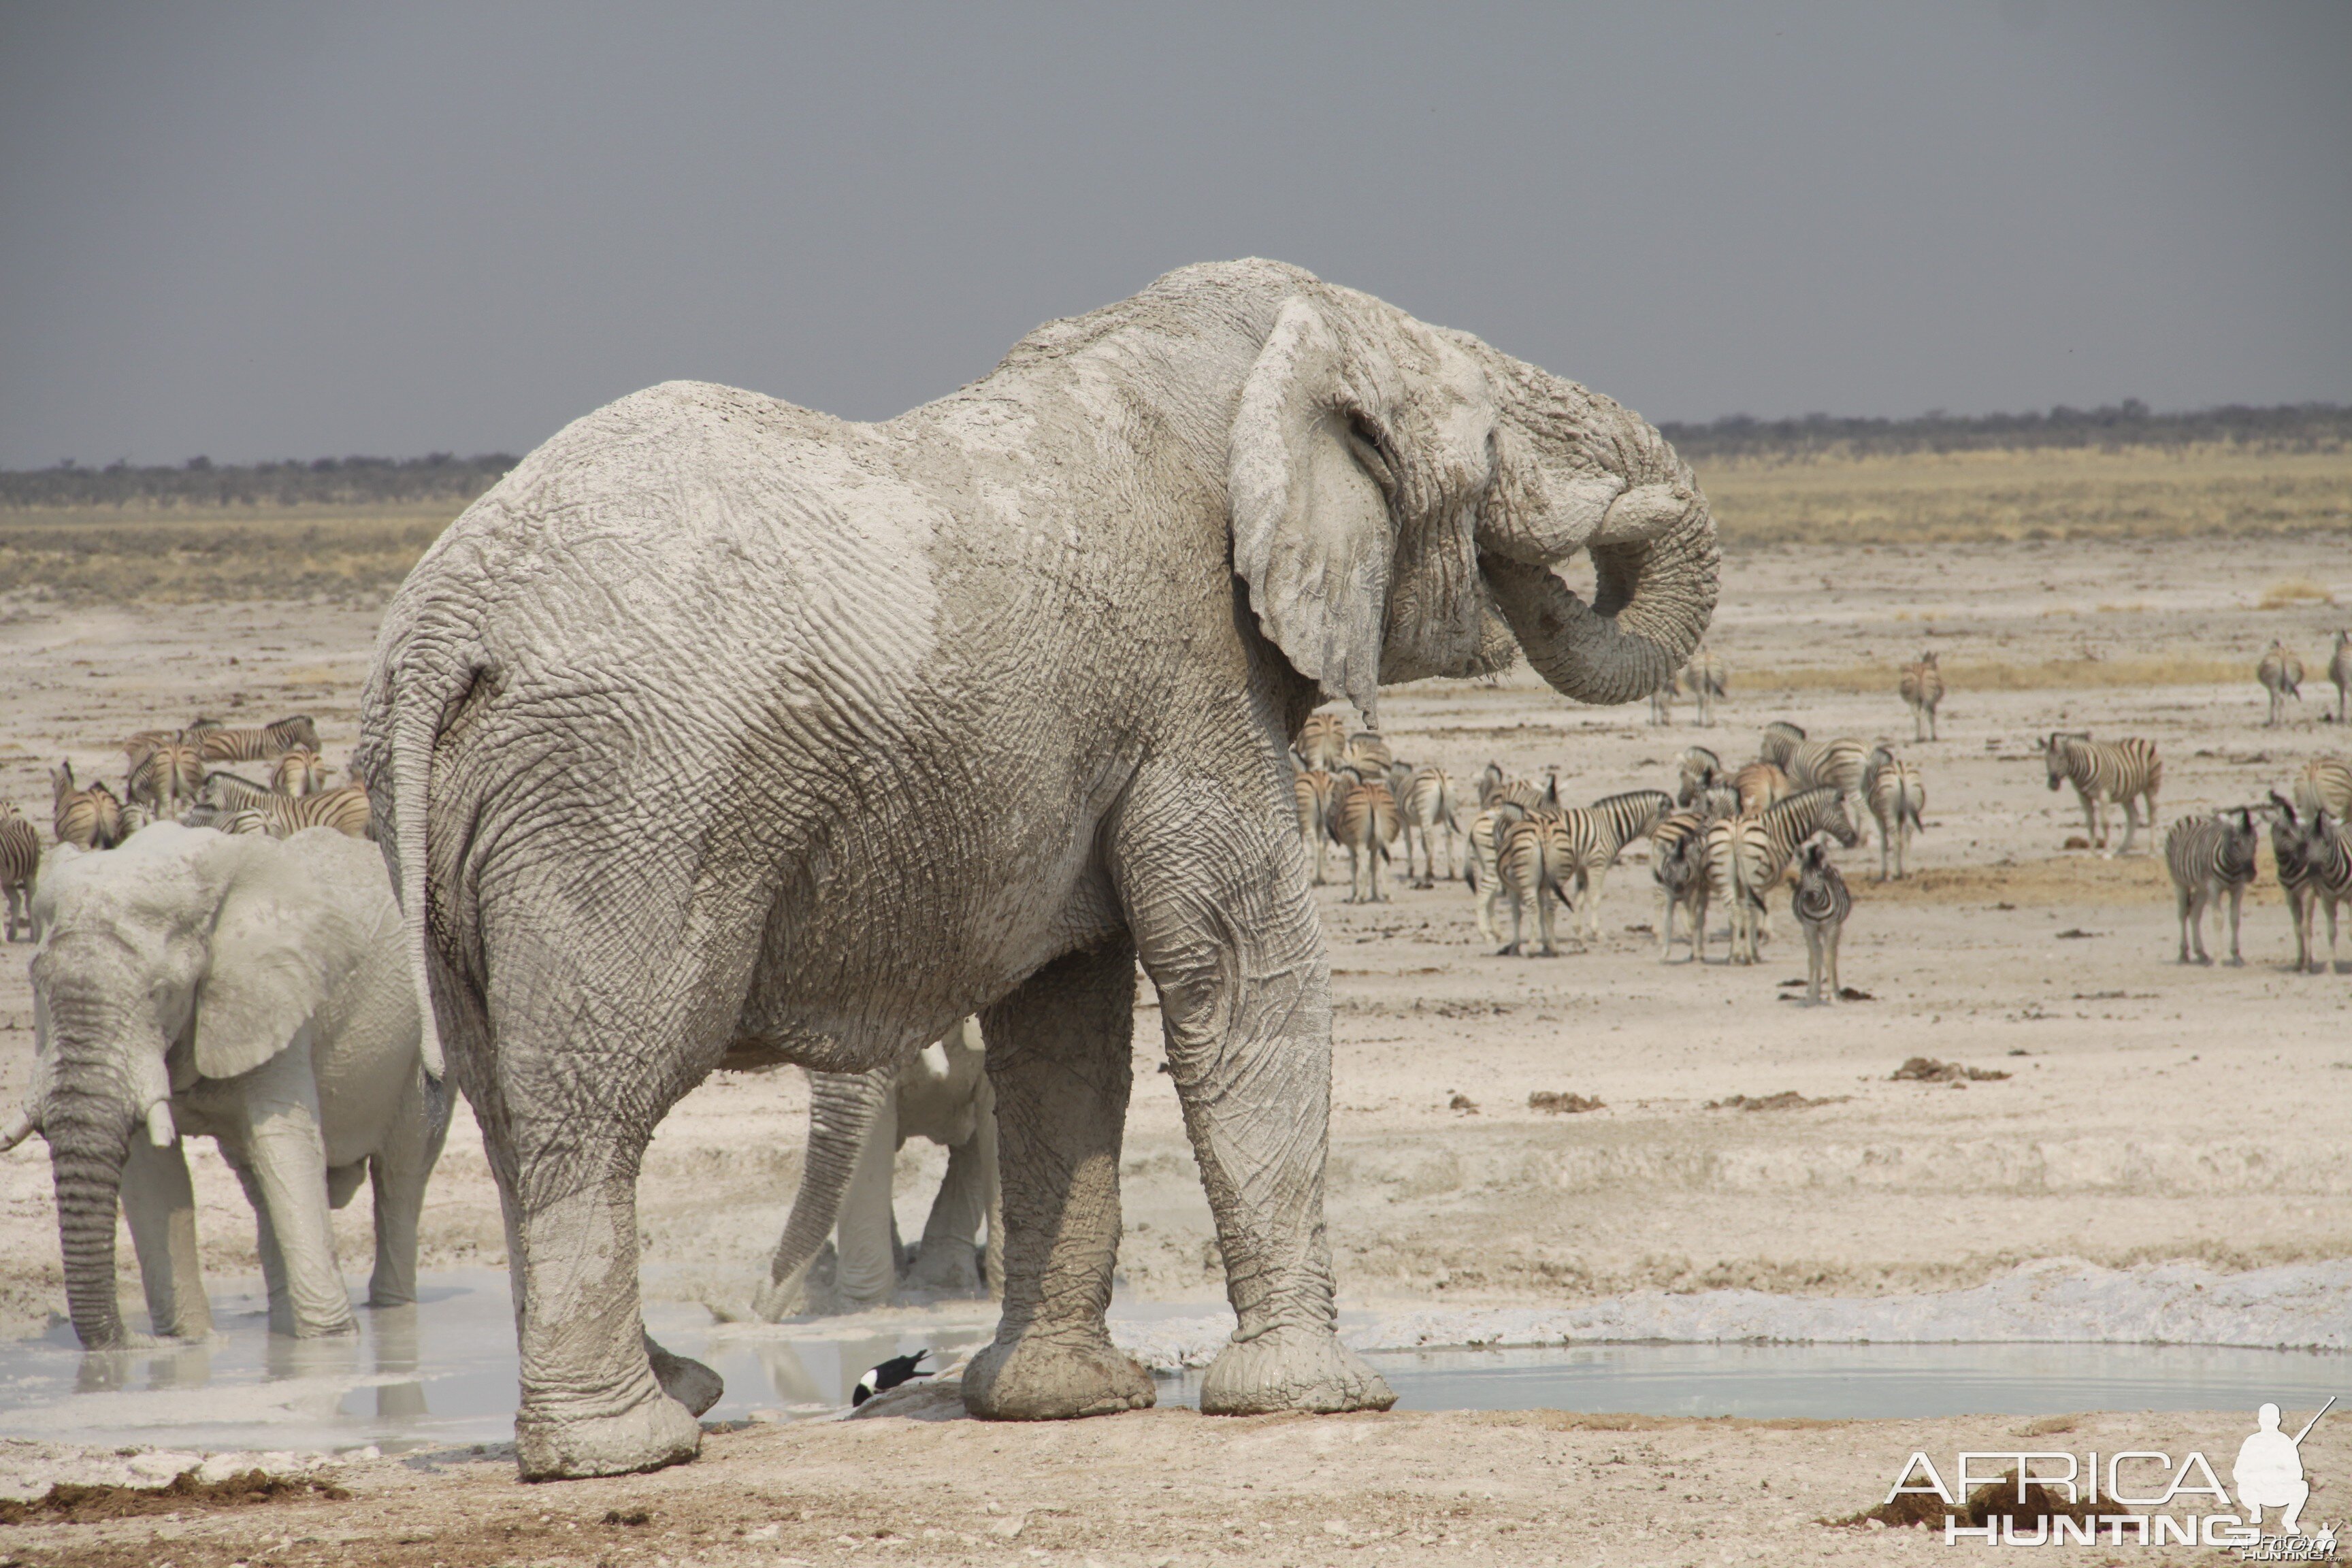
443, 1372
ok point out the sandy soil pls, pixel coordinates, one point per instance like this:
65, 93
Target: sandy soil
2154, 1111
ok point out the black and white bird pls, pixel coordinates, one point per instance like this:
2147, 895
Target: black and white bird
887, 1375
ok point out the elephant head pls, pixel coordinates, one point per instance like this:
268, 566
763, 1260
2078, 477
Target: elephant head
186, 954
1401, 495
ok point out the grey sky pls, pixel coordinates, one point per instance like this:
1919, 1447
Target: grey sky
255, 231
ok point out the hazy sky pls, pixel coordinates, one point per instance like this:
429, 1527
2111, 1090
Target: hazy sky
255, 231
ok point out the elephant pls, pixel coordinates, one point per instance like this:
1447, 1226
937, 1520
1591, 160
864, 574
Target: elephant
245, 989
857, 1123
721, 728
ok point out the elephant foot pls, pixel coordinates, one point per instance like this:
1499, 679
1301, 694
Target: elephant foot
655, 1432
1035, 1379
1291, 1368
689, 1382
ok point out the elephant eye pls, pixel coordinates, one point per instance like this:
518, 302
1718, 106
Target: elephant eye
1371, 447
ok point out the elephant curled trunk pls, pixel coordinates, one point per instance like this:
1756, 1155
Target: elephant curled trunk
842, 1110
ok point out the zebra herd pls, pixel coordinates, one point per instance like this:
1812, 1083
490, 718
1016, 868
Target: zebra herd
2211, 858
185, 775
2280, 672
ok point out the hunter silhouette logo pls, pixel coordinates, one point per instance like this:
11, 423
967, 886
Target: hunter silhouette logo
2136, 1497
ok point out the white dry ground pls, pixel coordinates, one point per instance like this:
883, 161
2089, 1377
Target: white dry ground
2155, 1114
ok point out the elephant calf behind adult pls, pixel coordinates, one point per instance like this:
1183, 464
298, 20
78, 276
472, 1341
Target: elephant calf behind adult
721, 723
245, 989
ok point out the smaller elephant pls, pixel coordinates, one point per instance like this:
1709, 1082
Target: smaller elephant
245, 989
857, 1123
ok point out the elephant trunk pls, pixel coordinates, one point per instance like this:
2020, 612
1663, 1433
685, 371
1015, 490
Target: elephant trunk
88, 1146
1577, 472
842, 1111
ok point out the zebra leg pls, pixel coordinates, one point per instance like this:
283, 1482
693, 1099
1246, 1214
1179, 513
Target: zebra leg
1813, 963
2180, 903
1666, 925
2237, 960
1059, 1063
1837, 935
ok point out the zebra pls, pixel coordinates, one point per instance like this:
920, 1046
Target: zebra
281, 816
1896, 794
1363, 822
2105, 771
300, 771
1698, 768
1746, 854
2325, 783
1599, 833
1759, 784
1820, 903
1368, 754
165, 777
1482, 862
222, 791
89, 816
1322, 742
1705, 677
1313, 789
20, 869
1922, 686
2281, 674
270, 742
2210, 856
1836, 762
1427, 805
2314, 860
1662, 703
1678, 865
1535, 861
1780, 741
2339, 673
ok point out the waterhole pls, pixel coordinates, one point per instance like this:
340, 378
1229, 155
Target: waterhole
443, 1372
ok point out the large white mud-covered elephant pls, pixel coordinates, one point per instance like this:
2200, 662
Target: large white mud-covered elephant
857, 1124
721, 723
252, 991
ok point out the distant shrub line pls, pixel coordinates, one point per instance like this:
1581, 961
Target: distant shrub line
2288, 427
327, 481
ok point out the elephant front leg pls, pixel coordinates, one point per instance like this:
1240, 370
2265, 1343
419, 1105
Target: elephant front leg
160, 1203
1228, 933
289, 1185
1058, 1065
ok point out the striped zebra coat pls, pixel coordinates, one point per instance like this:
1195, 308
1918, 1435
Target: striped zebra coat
1322, 742
166, 777
1597, 834
224, 791
2105, 771
1836, 764
20, 871
1781, 742
1428, 805
1896, 794
2324, 783
1678, 865
1820, 904
2339, 674
1922, 686
2210, 856
1369, 754
1759, 784
1314, 790
89, 816
261, 745
1536, 861
298, 772
1482, 862
2305, 848
1697, 768
2281, 674
281, 816
1364, 824
1747, 855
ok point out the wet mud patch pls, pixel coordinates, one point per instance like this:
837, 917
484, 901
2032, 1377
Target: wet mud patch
66, 1503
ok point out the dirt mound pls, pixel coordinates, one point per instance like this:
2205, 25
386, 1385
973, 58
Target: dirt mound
1787, 1099
1989, 1504
1927, 1069
1561, 1104
66, 1503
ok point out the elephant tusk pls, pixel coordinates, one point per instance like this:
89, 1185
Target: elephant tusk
160, 1131
19, 1127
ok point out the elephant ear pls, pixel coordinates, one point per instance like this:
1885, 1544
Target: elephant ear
1312, 535
271, 963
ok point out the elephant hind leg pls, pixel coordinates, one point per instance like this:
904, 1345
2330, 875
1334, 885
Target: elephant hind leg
1059, 1064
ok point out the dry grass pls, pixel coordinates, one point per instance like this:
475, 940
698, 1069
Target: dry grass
187, 554
2289, 593
2141, 493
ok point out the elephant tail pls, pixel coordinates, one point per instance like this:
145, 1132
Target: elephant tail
432, 686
